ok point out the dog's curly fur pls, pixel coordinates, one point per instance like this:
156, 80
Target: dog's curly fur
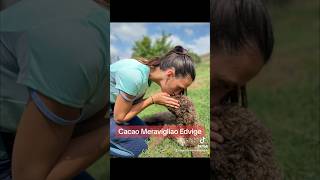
247, 150
184, 115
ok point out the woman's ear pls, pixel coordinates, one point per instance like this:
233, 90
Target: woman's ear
170, 72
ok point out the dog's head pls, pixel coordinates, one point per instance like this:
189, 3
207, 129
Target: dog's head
186, 113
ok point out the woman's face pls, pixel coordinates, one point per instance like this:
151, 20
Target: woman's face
174, 85
230, 71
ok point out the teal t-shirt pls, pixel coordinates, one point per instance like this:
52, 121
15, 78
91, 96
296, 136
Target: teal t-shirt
129, 76
60, 48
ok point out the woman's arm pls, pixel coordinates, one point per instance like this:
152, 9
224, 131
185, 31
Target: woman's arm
96, 121
44, 150
124, 110
80, 153
90, 140
39, 142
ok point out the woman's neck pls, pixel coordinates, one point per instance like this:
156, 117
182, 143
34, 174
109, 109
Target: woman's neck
155, 75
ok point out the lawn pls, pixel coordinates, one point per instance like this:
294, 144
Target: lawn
100, 170
285, 95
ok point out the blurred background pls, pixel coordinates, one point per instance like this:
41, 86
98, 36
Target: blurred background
285, 95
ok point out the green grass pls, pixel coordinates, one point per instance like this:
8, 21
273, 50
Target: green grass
100, 170
286, 93
200, 95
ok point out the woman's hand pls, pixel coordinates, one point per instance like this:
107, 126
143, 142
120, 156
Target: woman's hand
164, 99
214, 135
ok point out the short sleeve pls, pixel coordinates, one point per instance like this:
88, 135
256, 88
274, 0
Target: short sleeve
128, 81
64, 61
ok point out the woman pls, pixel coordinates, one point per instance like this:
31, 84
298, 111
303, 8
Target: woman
53, 82
242, 43
129, 80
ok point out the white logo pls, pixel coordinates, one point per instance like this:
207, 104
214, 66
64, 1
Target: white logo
202, 144
202, 140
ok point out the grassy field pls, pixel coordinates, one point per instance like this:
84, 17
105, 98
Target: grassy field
100, 170
199, 94
286, 93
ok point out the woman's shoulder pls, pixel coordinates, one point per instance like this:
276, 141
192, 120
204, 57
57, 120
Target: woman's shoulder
130, 65
128, 61
131, 70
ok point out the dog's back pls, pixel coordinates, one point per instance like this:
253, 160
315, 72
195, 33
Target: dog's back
247, 151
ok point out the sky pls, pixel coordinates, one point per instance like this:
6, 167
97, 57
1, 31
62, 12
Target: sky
192, 36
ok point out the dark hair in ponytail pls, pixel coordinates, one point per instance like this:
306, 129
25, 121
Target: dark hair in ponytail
239, 23
176, 58
236, 24
103, 3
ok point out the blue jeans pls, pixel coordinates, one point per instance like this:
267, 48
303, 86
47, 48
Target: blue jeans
5, 169
133, 145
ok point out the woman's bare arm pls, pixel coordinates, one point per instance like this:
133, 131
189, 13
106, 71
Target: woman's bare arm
39, 142
80, 153
96, 121
90, 140
124, 110
45, 150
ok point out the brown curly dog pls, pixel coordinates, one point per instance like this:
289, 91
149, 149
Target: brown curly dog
247, 151
184, 115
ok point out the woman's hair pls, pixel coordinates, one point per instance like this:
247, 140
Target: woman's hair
237, 24
103, 3
176, 58
241, 23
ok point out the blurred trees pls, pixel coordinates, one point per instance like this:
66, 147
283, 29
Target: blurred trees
147, 48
